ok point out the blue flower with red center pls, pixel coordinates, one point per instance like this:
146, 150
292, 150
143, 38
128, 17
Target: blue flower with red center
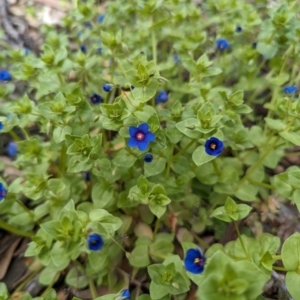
12, 149
289, 90
2, 191
214, 146
125, 294
140, 136
96, 99
95, 242
194, 261
162, 97
5, 75
222, 44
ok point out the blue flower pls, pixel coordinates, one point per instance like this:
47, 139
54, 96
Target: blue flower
213, 146
101, 18
177, 59
162, 97
148, 158
95, 242
5, 75
87, 176
194, 261
99, 50
107, 87
125, 294
254, 45
1, 125
290, 89
222, 44
140, 136
2, 191
88, 25
132, 87
12, 149
96, 99
83, 48
239, 29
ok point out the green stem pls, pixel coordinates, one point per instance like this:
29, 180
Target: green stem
61, 80
14, 135
49, 287
157, 223
153, 38
158, 255
119, 244
199, 240
112, 68
14, 230
262, 184
63, 159
216, 168
91, 281
168, 166
93, 288
184, 149
239, 236
26, 208
257, 164
25, 132
276, 257
279, 269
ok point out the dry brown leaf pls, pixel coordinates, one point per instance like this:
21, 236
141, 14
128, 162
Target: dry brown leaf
6, 257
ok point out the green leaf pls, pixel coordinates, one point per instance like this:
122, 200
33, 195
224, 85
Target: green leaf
161, 248
76, 278
139, 257
292, 281
190, 128
124, 159
157, 166
230, 206
157, 291
221, 214
277, 125
237, 98
59, 133
291, 252
292, 137
102, 194
200, 157
267, 261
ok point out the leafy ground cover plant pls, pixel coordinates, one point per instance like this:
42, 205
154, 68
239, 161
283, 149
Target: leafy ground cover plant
143, 128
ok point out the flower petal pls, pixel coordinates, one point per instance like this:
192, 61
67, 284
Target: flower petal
150, 137
132, 142
143, 145
144, 127
133, 130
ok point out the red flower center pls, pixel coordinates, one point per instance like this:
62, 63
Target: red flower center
140, 136
213, 146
